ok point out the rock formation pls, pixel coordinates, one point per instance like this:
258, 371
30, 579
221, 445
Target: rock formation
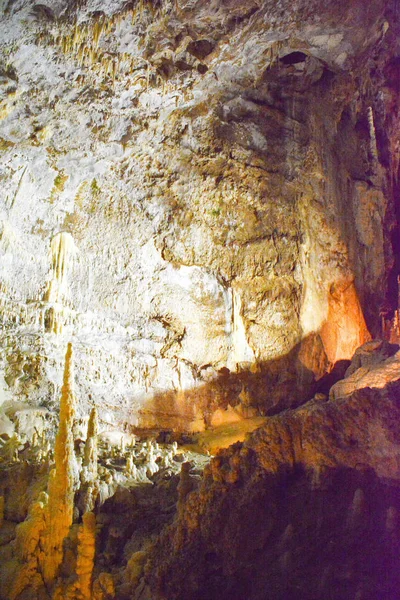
62, 480
53, 548
202, 198
303, 509
88, 475
82, 588
188, 190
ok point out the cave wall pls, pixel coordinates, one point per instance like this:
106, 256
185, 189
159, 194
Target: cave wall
190, 188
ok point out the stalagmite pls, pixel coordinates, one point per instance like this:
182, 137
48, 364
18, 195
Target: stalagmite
62, 479
86, 553
131, 469
91, 451
89, 484
1, 510
185, 485
30, 539
372, 135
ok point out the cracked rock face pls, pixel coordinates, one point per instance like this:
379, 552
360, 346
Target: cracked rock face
193, 192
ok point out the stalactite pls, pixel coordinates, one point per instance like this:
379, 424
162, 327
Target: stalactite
62, 479
97, 31
63, 251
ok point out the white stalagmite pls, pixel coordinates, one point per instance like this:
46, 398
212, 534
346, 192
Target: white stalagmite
91, 451
372, 135
89, 473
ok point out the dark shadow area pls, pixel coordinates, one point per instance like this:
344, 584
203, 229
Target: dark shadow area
323, 385
284, 538
134, 516
293, 58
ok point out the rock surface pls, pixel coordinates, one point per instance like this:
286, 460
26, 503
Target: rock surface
189, 187
203, 198
307, 507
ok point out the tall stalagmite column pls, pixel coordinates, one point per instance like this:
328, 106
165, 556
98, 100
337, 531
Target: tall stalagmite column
89, 484
62, 479
86, 552
90, 455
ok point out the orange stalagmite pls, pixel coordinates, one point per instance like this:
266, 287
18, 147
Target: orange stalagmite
62, 479
81, 587
27, 581
86, 552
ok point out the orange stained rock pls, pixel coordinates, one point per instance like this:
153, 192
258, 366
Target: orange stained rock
86, 554
225, 417
228, 433
61, 480
345, 328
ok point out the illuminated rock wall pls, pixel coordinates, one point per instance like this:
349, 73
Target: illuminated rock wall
187, 190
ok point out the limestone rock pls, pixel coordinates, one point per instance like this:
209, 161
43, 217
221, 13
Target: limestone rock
374, 365
186, 190
285, 514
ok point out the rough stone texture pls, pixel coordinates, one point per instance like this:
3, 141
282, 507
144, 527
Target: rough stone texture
306, 508
203, 198
372, 366
188, 187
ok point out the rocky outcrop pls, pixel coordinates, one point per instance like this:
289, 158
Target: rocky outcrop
190, 187
373, 365
307, 507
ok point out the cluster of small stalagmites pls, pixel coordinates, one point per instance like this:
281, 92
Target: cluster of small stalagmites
17, 449
85, 474
138, 461
40, 539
